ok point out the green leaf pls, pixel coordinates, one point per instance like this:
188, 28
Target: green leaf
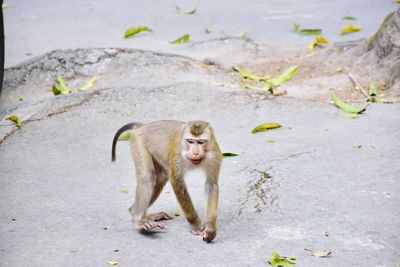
242, 34
346, 107
185, 11
230, 154
275, 255
310, 31
265, 127
15, 119
177, 213
89, 84
135, 30
21, 98
208, 30
184, 39
285, 76
60, 87
296, 27
349, 18
251, 76
281, 261
373, 90
125, 136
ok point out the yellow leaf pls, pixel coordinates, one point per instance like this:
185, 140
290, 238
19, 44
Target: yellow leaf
312, 45
270, 141
242, 34
135, 30
321, 40
21, 98
112, 262
125, 190
184, 39
15, 119
177, 213
265, 127
89, 84
350, 28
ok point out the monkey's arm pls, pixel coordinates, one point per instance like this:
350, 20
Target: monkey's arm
212, 193
183, 197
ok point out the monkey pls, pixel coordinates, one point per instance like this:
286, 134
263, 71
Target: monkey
165, 151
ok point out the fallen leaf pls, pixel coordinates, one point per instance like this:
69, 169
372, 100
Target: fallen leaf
177, 213
270, 141
281, 261
265, 127
345, 107
89, 84
135, 30
357, 146
398, 2
319, 40
312, 45
373, 92
285, 76
296, 27
15, 119
13, 219
230, 154
242, 34
184, 39
112, 262
125, 190
251, 76
208, 30
185, 11
105, 228
350, 28
349, 18
125, 136
21, 98
116, 250
60, 87
320, 254
310, 31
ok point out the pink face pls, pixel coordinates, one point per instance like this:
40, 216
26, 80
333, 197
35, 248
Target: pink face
197, 150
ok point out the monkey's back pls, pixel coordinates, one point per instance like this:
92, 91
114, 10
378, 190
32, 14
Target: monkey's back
156, 137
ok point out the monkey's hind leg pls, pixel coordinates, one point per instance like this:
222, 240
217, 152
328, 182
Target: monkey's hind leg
162, 179
146, 179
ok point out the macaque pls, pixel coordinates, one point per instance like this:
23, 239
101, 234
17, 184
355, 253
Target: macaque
166, 150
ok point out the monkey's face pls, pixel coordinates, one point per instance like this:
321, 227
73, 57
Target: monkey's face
196, 149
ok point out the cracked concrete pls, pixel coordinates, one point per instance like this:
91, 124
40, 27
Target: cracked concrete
64, 204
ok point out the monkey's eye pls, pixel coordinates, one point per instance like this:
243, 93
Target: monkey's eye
201, 142
190, 141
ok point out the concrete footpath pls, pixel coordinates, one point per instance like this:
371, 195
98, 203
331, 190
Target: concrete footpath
320, 182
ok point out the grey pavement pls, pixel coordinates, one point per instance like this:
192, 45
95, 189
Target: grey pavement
326, 182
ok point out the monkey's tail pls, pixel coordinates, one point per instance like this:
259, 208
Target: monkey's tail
124, 128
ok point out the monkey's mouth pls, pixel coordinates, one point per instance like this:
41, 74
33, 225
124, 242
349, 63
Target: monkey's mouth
195, 161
